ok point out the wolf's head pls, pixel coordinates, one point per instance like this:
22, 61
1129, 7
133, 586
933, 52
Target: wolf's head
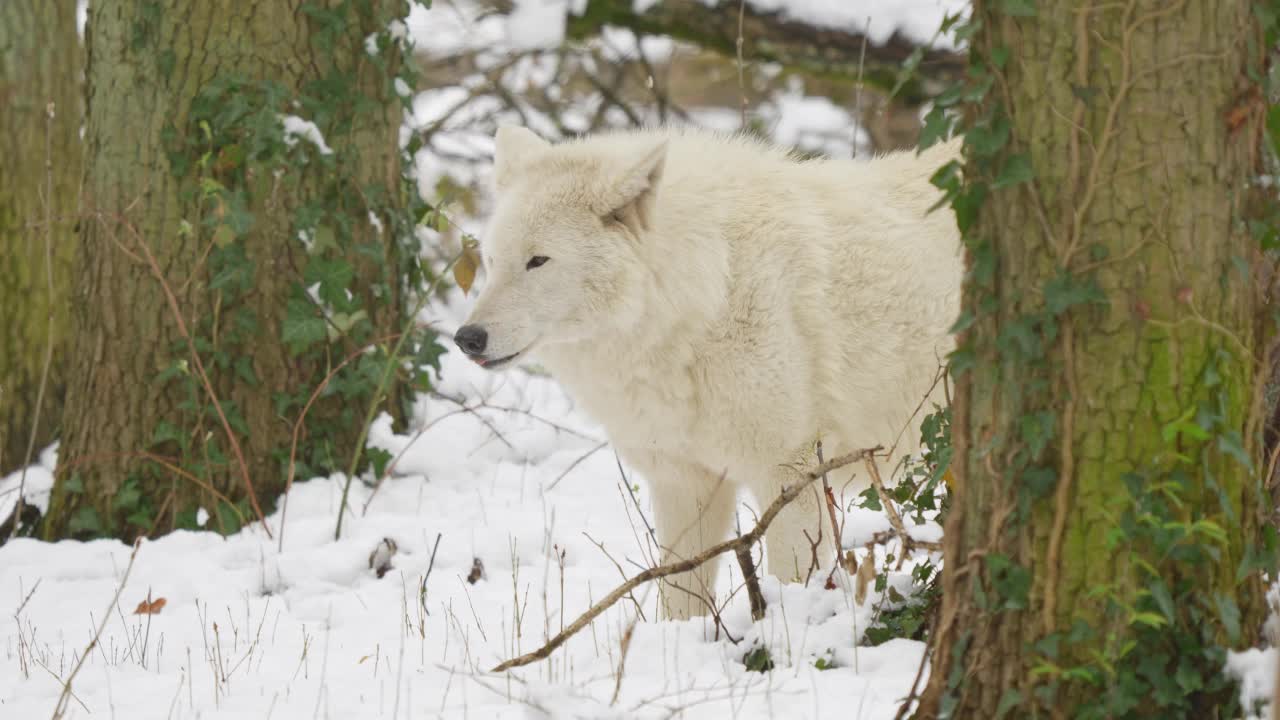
562, 253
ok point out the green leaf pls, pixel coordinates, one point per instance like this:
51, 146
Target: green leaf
758, 660
1149, 619
85, 520
244, 370
937, 126
1008, 701
334, 277
1017, 169
1036, 430
74, 484
166, 432
987, 139
303, 326
1065, 291
1164, 601
378, 459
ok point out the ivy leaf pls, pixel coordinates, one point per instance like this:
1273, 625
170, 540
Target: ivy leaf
1010, 700
1037, 430
85, 520
1164, 601
334, 277
987, 139
1017, 169
1066, 291
166, 432
937, 125
341, 323
378, 458
323, 239
303, 327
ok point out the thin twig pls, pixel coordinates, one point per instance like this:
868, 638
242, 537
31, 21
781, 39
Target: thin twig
742, 83
788, 494
575, 464
857, 94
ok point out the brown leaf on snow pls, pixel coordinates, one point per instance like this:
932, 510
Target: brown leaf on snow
477, 572
149, 607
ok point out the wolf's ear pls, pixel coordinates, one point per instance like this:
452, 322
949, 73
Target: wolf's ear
633, 191
513, 146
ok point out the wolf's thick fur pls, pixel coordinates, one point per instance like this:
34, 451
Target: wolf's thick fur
718, 306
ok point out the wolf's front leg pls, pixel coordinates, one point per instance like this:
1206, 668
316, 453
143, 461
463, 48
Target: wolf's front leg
692, 508
801, 534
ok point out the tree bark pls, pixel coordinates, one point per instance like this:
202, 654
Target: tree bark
137, 406
40, 63
1108, 310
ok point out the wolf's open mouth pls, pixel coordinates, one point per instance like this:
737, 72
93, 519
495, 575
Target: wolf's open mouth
491, 364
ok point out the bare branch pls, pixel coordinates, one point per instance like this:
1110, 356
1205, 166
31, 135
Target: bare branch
744, 541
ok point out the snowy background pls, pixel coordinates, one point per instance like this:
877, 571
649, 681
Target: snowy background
528, 514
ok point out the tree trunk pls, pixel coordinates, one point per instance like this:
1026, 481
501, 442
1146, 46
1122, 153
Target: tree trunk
1101, 550
195, 206
40, 64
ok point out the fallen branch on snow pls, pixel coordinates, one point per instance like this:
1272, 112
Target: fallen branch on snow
681, 566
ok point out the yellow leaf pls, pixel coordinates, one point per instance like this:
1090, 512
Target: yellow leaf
949, 479
464, 271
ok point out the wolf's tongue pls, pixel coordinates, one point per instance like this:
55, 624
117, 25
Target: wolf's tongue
479, 361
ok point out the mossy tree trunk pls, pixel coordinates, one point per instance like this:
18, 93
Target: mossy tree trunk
40, 68
1102, 548
202, 224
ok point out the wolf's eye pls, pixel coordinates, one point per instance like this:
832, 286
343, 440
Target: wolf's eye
536, 261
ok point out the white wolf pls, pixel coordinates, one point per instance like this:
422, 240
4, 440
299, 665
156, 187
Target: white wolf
719, 305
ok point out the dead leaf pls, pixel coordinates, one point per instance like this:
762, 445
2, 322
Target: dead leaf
866, 576
850, 563
361, 660
464, 270
149, 606
949, 479
477, 572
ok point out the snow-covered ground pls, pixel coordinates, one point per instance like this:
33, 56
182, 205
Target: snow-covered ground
253, 629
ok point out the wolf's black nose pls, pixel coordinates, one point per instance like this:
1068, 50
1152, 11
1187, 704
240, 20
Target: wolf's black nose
471, 339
